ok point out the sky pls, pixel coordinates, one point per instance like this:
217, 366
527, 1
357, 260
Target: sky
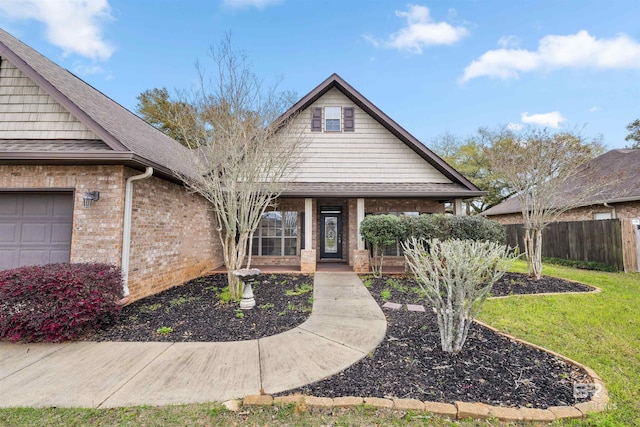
435, 67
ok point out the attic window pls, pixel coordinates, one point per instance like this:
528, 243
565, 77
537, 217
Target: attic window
335, 119
332, 118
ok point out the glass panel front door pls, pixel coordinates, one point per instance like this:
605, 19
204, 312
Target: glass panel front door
330, 235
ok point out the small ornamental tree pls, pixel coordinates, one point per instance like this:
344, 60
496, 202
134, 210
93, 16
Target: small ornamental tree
456, 277
379, 231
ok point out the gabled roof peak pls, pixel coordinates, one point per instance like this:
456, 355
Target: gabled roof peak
335, 81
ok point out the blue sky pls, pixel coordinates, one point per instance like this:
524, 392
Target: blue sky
433, 66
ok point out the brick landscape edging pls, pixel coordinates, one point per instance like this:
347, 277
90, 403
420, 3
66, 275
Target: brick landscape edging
459, 410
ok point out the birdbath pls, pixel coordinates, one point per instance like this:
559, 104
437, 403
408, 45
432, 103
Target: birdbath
247, 276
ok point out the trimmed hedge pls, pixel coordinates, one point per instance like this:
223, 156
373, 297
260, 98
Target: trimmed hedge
582, 265
57, 302
436, 226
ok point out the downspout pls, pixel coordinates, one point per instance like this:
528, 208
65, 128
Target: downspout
126, 231
613, 209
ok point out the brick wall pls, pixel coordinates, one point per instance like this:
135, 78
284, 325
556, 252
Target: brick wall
403, 205
173, 236
622, 210
97, 231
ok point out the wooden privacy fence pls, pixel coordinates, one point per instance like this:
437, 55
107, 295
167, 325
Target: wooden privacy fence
610, 241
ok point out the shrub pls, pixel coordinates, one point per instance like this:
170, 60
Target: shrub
445, 227
57, 302
456, 277
380, 231
582, 265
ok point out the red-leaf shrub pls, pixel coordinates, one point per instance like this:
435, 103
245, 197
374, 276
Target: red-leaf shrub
57, 302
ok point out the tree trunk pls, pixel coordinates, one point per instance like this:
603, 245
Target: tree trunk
537, 254
533, 251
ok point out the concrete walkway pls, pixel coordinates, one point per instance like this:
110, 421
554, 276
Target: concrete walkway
345, 325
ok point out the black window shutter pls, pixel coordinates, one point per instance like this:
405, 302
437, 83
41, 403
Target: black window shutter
349, 122
316, 119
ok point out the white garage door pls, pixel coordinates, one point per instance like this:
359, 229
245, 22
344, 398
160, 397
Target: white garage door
35, 228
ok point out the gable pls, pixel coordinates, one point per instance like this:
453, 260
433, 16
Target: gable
28, 112
369, 153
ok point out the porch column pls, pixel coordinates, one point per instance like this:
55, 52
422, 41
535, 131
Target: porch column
458, 208
359, 218
308, 224
360, 255
308, 254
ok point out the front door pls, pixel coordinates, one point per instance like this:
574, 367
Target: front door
331, 233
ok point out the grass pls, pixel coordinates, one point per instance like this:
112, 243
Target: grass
599, 330
208, 414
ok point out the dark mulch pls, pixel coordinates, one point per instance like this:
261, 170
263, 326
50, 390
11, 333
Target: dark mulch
195, 313
409, 363
520, 284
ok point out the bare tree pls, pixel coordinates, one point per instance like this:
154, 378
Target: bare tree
549, 173
242, 151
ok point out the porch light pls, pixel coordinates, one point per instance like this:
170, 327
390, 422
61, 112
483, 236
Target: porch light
90, 197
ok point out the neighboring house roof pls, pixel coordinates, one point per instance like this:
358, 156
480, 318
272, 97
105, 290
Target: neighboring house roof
618, 171
461, 186
125, 138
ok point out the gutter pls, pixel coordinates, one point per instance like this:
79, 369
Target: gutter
126, 231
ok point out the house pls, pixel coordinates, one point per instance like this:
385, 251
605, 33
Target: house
617, 174
82, 179
62, 143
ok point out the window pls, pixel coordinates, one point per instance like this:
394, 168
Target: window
277, 234
601, 215
332, 116
336, 119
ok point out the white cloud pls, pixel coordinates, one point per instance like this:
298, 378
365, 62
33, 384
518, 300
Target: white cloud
552, 119
594, 109
580, 50
509, 41
73, 25
260, 4
420, 32
514, 126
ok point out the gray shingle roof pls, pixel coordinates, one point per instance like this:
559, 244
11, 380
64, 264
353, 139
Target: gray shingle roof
119, 128
368, 189
53, 145
617, 170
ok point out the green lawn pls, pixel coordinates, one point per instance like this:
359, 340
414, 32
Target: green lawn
600, 330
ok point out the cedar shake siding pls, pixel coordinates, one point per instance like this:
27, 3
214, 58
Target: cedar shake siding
28, 112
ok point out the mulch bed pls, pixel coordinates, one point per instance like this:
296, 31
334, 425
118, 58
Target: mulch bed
408, 363
490, 368
521, 284
194, 312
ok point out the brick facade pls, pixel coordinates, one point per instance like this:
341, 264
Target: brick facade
173, 236
586, 213
97, 232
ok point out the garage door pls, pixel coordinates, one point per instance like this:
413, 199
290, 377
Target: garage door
35, 228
